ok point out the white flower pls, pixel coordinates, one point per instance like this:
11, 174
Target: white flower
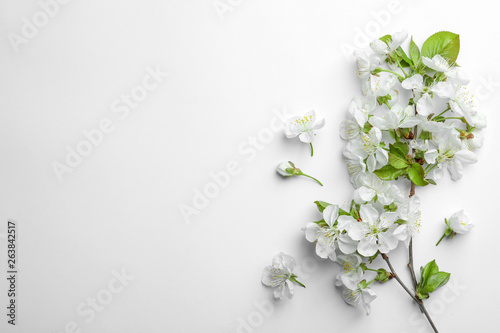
414, 82
278, 275
411, 216
440, 64
397, 117
425, 105
373, 231
433, 126
368, 146
331, 236
366, 64
373, 188
304, 126
286, 169
472, 140
460, 223
356, 167
351, 272
379, 85
461, 101
363, 296
449, 155
359, 109
384, 49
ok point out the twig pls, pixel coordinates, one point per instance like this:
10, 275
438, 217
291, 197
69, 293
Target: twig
410, 264
417, 300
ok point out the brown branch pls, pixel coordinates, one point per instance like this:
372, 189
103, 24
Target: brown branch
414, 297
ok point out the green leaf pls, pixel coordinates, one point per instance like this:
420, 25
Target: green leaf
389, 172
402, 148
321, 205
405, 62
444, 43
397, 161
417, 174
414, 52
431, 279
431, 181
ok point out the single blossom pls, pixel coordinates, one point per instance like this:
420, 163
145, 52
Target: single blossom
450, 155
397, 117
373, 188
390, 47
373, 232
356, 167
288, 169
440, 64
461, 101
330, 236
362, 294
351, 271
368, 146
366, 63
380, 85
458, 223
280, 275
359, 110
409, 218
304, 127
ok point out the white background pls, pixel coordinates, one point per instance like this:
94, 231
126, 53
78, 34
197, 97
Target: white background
119, 209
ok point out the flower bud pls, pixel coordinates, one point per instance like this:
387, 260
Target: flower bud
287, 169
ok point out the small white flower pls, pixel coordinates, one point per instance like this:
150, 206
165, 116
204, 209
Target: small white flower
304, 126
351, 271
356, 167
460, 223
366, 64
288, 169
411, 215
363, 296
472, 140
384, 49
278, 275
367, 146
414, 82
379, 85
425, 105
331, 236
359, 109
450, 155
373, 188
440, 64
397, 117
373, 231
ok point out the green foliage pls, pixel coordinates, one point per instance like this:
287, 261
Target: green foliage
322, 205
444, 43
416, 174
414, 52
431, 279
389, 172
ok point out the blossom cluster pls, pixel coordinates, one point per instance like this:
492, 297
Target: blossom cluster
415, 118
